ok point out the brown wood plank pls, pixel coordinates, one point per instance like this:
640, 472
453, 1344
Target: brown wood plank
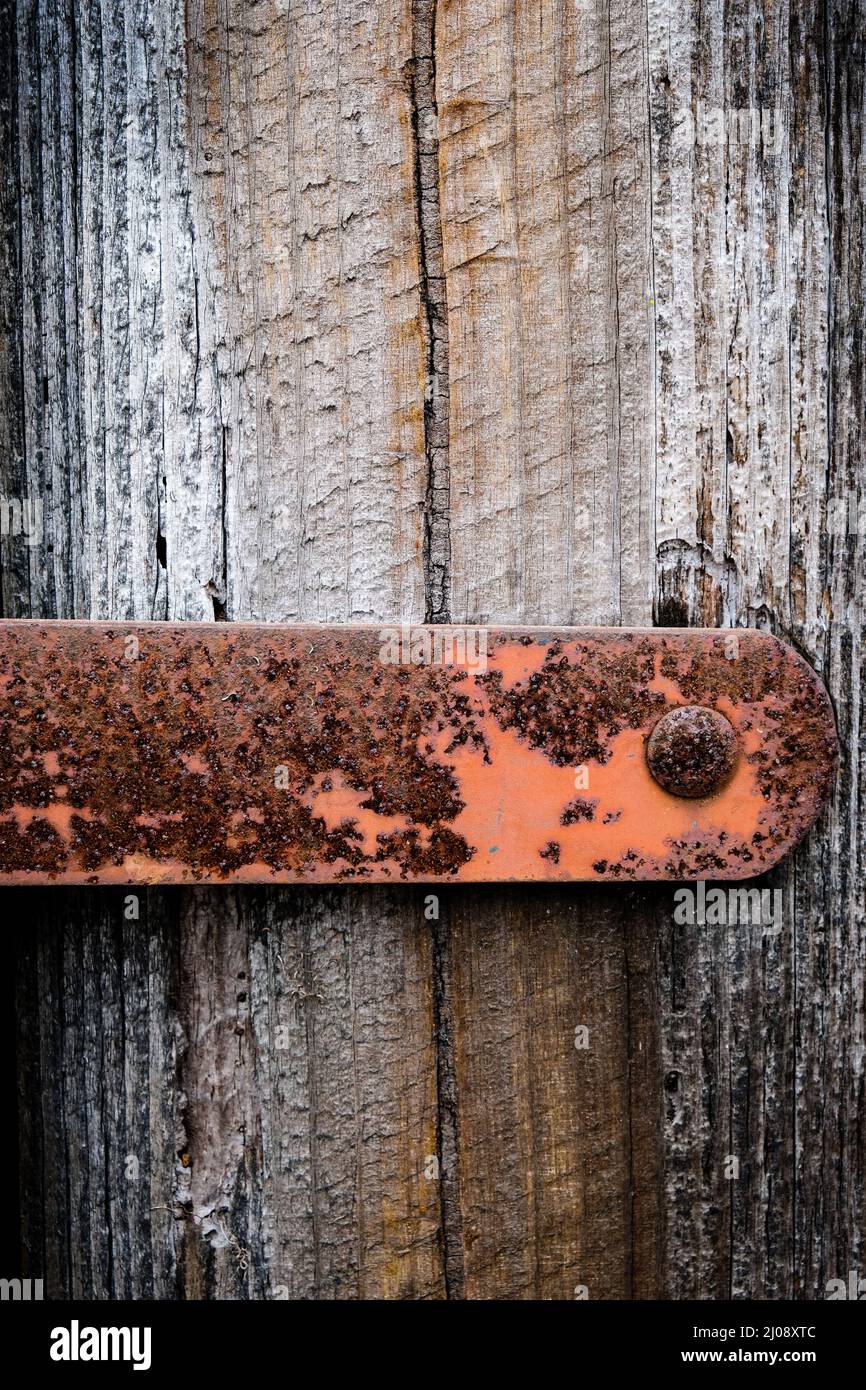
545, 204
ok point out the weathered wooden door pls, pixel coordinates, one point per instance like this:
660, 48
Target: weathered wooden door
379, 310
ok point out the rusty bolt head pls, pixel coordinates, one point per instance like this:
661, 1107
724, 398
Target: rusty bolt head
692, 751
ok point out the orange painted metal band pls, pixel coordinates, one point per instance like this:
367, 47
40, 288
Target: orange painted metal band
173, 752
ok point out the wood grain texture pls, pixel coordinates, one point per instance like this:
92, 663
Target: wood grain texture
545, 196
759, 280
545, 205
548, 313
241, 371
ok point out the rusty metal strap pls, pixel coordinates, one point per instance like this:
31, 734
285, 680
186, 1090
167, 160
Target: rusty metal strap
167, 753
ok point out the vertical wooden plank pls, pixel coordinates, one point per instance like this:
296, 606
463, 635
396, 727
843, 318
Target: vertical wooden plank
14, 572
302, 140
758, 372
545, 173
556, 1075
96, 1052
221, 273
830, 924
545, 203
307, 1137
97, 1068
308, 1108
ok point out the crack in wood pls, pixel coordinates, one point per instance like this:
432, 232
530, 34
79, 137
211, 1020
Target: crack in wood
420, 74
421, 77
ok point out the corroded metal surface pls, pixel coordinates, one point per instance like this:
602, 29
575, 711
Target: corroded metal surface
692, 751
162, 753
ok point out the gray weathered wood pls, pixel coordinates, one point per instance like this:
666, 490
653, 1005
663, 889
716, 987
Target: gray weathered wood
758, 237
471, 311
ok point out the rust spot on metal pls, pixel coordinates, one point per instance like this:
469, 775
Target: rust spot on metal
692, 751
149, 753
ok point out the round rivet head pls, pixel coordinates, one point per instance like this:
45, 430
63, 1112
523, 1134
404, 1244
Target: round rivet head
692, 751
